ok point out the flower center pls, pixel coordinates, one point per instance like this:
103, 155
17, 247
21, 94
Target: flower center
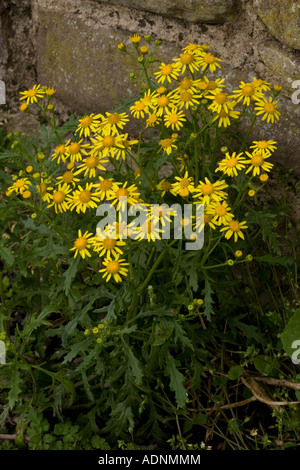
270, 108
91, 162
86, 121
58, 197
173, 118
109, 243
207, 218
74, 148
166, 143
19, 184
31, 93
248, 90
186, 96
257, 160
109, 141
68, 177
184, 192
161, 90
209, 58
186, 58
41, 188
221, 98
152, 118
139, 106
207, 189
211, 85
162, 101
60, 149
220, 210
113, 118
113, 267
166, 186
184, 182
122, 192
262, 144
234, 226
167, 69
80, 243
85, 196
105, 185
232, 162
185, 84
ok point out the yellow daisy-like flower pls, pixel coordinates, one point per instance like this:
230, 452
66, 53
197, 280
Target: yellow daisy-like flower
258, 163
187, 60
263, 85
138, 109
160, 213
107, 246
167, 72
149, 231
43, 190
135, 38
247, 92
83, 199
267, 108
207, 191
186, 99
167, 145
207, 60
220, 101
265, 146
75, 150
107, 145
184, 186
164, 186
89, 123
131, 193
183, 160
32, 95
231, 164
264, 177
105, 188
19, 186
233, 227
220, 212
89, 166
59, 198
61, 153
224, 116
122, 145
23, 107
49, 91
163, 103
68, 178
174, 119
114, 122
153, 120
114, 268
82, 244
205, 85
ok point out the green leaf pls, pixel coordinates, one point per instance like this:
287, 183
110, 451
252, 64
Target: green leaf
177, 380
15, 383
6, 255
291, 337
70, 274
134, 364
267, 365
235, 372
275, 260
208, 301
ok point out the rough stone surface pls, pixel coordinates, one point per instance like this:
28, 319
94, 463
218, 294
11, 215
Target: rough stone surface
284, 67
282, 17
195, 11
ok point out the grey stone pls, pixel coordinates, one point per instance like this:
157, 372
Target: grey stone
282, 18
195, 11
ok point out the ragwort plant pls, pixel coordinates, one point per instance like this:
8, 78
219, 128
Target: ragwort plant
121, 333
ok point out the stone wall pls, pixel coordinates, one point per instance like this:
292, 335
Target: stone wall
71, 45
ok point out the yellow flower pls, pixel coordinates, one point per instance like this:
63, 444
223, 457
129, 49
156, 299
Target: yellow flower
220, 101
114, 268
174, 119
258, 162
264, 177
164, 186
224, 115
231, 164
26, 194
74, 150
32, 95
19, 186
89, 166
207, 191
184, 186
82, 244
135, 39
113, 122
238, 253
138, 109
89, 123
83, 199
207, 60
233, 227
167, 145
268, 109
144, 49
247, 92
59, 198
43, 190
153, 120
131, 193
167, 72
61, 153
187, 60
107, 246
186, 99
23, 107
68, 178
105, 188
265, 146
220, 212
251, 193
